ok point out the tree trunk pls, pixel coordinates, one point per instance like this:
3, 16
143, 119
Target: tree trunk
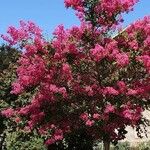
106, 145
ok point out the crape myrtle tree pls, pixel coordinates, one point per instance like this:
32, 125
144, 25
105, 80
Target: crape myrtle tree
89, 86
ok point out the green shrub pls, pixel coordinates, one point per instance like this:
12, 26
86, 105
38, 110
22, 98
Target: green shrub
23, 141
144, 146
122, 146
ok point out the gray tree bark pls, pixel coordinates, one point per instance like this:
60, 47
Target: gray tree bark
106, 145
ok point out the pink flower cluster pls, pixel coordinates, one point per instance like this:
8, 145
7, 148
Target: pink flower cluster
30, 73
8, 112
106, 12
76, 4
146, 61
122, 59
58, 135
26, 31
98, 53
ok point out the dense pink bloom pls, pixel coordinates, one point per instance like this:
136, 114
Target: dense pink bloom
132, 92
50, 141
109, 109
16, 88
24, 110
31, 49
90, 123
84, 116
122, 86
8, 112
146, 61
76, 4
96, 116
63, 91
69, 3
89, 91
98, 52
66, 70
134, 44
110, 91
147, 41
122, 59
26, 31
112, 48
58, 135
128, 114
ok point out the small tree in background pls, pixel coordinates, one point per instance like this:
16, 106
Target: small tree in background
8, 58
87, 84
11, 137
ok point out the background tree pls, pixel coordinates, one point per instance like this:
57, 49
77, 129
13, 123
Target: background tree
11, 137
8, 58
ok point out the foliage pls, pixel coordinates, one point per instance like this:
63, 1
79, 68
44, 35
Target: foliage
83, 78
144, 146
127, 146
8, 56
122, 146
22, 141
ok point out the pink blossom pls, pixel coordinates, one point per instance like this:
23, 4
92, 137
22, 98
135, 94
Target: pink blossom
133, 44
57, 56
132, 92
146, 61
66, 70
17, 120
24, 110
110, 8
147, 41
96, 116
76, 4
50, 141
84, 116
63, 91
98, 53
16, 88
89, 90
122, 59
26, 30
58, 135
109, 109
8, 112
26, 79
90, 123
53, 88
27, 129
30, 49
127, 114
110, 91
122, 86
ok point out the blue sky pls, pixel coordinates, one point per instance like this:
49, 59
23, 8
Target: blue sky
50, 13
